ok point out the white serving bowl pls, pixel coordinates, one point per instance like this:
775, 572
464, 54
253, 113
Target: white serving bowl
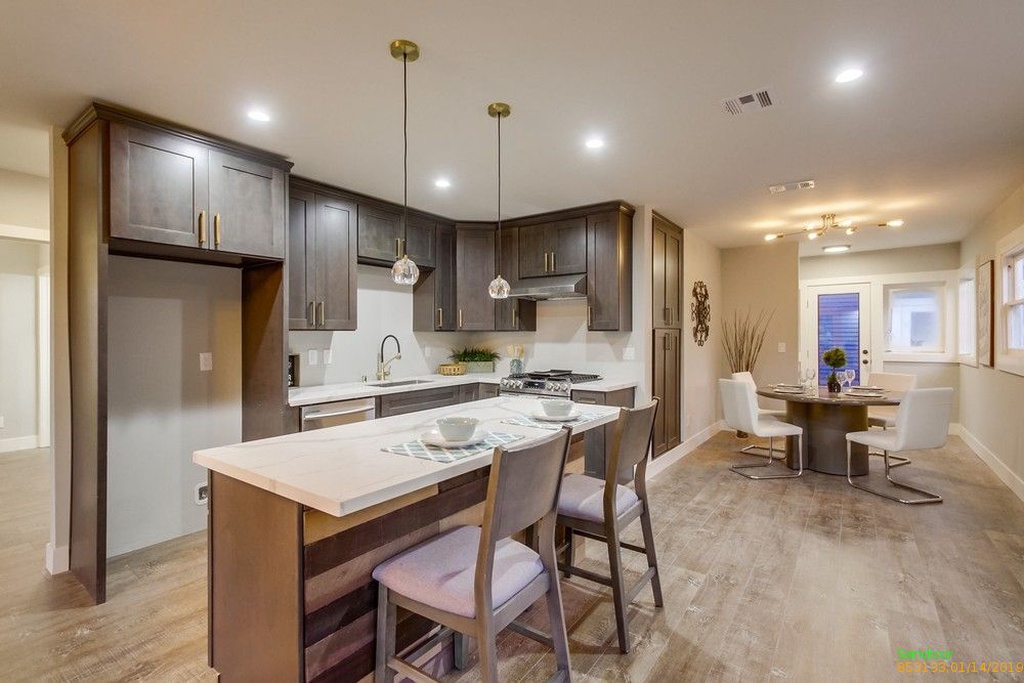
556, 407
455, 428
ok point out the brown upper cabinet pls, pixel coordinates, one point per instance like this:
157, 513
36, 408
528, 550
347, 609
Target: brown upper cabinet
512, 314
553, 248
667, 268
474, 245
381, 238
175, 190
434, 305
321, 259
610, 269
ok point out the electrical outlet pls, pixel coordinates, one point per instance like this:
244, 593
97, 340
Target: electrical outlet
202, 494
327, 356
313, 357
629, 353
782, 347
205, 362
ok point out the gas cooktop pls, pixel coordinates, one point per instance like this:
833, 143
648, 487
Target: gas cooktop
545, 383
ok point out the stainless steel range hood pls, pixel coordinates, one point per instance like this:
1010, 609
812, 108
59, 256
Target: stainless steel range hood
551, 287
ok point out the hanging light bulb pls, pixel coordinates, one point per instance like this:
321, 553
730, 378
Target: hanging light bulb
499, 287
405, 271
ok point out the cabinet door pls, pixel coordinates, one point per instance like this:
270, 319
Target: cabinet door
667, 264
380, 234
419, 242
475, 251
158, 186
609, 290
667, 386
445, 276
533, 250
335, 260
512, 314
247, 203
301, 272
568, 240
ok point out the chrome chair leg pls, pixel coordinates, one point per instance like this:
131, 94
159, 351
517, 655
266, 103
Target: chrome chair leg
771, 458
929, 497
755, 449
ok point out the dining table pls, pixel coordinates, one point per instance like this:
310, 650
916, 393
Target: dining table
826, 418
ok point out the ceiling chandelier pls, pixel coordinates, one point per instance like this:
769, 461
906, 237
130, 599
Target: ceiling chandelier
828, 223
405, 271
499, 288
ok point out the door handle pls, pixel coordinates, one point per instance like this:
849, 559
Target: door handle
553, 262
440, 318
323, 314
864, 362
460, 318
311, 316
202, 228
515, 319
545, 261
216, 229
398, 248
590, 316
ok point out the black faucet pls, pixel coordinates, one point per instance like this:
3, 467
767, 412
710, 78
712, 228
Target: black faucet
382, 366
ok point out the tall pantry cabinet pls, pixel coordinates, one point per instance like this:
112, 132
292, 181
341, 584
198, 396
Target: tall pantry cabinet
667, 261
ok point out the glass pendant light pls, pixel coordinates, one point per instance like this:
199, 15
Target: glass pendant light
499, 287
405, 271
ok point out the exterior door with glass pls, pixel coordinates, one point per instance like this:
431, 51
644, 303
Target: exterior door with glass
836, 315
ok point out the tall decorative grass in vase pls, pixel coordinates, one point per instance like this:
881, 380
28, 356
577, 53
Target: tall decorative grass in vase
742, 339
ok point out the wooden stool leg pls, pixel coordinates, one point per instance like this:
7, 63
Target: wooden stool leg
556, 616
569, 543
652, 558
618, 588
487, 647
386, 624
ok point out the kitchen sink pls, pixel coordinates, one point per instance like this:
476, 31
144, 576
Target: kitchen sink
400, 382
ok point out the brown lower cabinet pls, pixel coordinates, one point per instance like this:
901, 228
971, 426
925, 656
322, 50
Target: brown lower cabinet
667, 386
600, 440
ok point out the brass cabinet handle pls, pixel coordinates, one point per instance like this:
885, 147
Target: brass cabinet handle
515, 318
323, 316
545, 261
590, 315
553, 262
311, 317
216, 229
460, 318
202, 228
398, 247
592, 401
440, 317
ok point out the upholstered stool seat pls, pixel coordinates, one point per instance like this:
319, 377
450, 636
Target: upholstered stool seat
583, 497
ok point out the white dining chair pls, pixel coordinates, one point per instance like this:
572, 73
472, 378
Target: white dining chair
761, 412
922, 422
739, 403
885, 416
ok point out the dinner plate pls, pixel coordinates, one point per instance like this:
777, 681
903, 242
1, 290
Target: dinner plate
866, 394
862, 387
544, 417
788, 386
434, 438
789, 390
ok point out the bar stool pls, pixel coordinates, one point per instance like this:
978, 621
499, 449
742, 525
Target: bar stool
476, 580
740, 406
601, 509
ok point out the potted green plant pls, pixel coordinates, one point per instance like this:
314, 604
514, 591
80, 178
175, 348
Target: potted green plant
475, 359
835, 358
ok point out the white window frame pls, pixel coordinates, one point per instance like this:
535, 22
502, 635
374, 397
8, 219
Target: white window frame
878, 284
939, 287
1007, 249
967, 351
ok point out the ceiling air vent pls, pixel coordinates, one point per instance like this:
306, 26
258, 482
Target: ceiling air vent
750, 102
797, 185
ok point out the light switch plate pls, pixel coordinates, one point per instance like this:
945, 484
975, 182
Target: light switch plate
782, 347
327, 356
205, 361
313, 357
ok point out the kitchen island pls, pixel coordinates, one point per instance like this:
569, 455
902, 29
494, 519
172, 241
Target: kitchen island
298, 522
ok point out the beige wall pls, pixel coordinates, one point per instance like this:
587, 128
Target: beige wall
20, 264
856, 264
991, 402
24, 200
701, 364
765, 277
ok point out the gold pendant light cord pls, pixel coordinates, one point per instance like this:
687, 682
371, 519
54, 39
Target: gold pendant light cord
405, 153
499, 196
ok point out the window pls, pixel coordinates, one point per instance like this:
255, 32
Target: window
914, 318
1009, 288
967, 321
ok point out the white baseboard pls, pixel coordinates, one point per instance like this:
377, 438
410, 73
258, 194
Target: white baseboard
58, 560
1005, 474
19, 443
669, 458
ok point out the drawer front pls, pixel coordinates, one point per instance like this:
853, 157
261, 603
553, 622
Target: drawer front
414, 401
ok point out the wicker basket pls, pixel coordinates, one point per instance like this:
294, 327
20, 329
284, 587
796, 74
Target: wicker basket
451, 369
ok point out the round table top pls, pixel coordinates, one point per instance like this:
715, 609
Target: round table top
888, 398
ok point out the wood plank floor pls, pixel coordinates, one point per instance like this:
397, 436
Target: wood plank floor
804, 579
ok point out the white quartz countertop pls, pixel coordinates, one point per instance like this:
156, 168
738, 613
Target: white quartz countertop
304, 396
340, 470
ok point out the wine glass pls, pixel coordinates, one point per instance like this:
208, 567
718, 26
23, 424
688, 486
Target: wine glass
808, 377
849, 376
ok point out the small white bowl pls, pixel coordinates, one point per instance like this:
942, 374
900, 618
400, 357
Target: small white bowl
556, 407
455, 428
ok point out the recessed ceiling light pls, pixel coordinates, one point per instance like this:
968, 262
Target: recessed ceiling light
259, 115
849, 75
836, 248
595, 143
442, 182
898, 223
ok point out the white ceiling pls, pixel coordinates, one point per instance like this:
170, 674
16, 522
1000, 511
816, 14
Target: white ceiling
933, 133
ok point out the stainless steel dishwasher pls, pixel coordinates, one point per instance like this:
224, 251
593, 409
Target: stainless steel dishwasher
320, 415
